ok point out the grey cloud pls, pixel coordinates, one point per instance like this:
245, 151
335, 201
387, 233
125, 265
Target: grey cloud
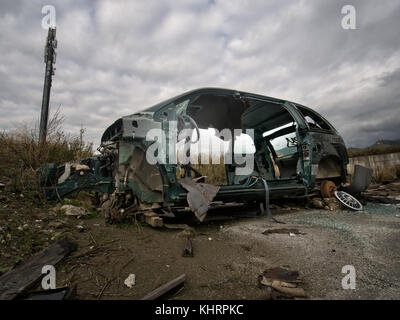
117, 57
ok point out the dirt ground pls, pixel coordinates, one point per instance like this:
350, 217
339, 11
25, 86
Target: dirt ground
230, 251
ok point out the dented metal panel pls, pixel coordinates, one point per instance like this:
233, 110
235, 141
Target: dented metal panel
199, 196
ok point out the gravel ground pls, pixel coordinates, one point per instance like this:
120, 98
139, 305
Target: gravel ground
368, 240
229, 254
230, 251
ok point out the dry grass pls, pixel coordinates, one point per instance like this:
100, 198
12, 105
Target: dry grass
381, 173
22, 154
377, 149
215, 173
386, 174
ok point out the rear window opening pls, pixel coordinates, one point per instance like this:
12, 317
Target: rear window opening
313, 120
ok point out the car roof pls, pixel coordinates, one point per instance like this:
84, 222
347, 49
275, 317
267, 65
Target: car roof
206, 90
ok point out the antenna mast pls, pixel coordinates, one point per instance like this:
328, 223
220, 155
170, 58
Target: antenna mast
49, 60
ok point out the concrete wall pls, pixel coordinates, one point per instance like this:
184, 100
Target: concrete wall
376, 162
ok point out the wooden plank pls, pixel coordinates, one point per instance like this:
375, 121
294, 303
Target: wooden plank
188, 249
153, 219
23, 277
160, 291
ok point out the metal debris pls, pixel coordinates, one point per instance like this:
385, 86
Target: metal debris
267, 203
153, 219
348, 200
199, 196
188, 249
317, 203
64, 293
160, 291
328, 189
71, 210
283, 231
175, 226
332, 204
283, 280
17, 281
361, 180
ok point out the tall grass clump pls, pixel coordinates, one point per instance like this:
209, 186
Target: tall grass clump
215, 173
376, 149
22, 155
386, 174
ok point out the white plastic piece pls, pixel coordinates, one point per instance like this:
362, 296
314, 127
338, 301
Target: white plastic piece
130, 281
66, 174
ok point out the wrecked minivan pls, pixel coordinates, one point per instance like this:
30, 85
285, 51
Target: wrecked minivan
146, 162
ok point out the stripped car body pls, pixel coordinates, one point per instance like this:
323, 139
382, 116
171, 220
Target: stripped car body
295, 148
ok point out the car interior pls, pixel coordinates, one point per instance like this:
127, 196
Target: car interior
276, 153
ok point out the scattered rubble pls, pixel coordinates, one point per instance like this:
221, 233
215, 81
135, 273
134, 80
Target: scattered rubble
188, 232
70, 210
188, 249
339, 202
56, 224
284, 287
283, 231
327, 189
157, 293
317, 203
153, 219
283, 280
386, 194
81, 228
64, 293
130, 281
332, 204
17, 281
175, 225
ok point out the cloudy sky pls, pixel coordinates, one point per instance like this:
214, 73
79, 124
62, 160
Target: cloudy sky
117, 57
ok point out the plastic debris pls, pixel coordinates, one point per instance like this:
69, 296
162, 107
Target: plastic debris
130, 281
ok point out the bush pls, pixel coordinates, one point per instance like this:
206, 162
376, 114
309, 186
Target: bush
215, 172
386, 174
22, 154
